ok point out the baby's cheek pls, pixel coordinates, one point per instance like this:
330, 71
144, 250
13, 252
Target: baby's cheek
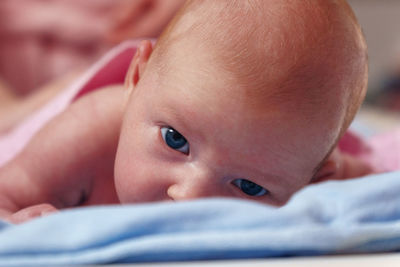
136, 179
140, 169
121, 173
124, 180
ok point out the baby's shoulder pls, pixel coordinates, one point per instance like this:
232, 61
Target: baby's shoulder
95, 113
106, 94
99, 103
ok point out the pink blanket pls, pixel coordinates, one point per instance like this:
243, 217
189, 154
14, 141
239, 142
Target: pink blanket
382, 151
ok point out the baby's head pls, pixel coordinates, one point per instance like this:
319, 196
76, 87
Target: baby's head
240, 99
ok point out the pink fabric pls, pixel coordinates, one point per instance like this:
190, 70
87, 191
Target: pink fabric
386, 151
110, 69
382, 151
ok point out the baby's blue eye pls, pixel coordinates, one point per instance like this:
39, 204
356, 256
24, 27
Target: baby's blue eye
175, 140
250, 188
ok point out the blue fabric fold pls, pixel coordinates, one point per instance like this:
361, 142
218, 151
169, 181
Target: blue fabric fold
354, 216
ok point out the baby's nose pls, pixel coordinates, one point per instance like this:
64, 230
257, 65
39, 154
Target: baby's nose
195, 186
181, 192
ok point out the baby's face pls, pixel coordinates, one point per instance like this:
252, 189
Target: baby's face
191, 134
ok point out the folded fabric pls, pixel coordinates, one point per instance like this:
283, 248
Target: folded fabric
354, 216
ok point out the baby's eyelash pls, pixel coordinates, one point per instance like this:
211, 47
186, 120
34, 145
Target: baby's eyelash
250, 188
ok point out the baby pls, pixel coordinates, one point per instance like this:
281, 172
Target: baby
243, 99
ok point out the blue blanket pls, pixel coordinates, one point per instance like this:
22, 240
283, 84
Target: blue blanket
360, 215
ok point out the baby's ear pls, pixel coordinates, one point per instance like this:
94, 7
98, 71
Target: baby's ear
330, 169
138, 64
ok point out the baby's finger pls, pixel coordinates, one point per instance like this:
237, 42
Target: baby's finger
31, 213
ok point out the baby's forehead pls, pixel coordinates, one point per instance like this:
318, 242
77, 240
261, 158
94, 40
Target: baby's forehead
254, 83
256, 73
216, 95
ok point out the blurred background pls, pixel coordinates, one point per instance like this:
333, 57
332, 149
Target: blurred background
44, 44
44, 39
380, 20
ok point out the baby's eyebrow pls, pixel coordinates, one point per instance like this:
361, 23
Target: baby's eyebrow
186, 119
177, 116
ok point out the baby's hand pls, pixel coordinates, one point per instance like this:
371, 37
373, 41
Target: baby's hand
30, 213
